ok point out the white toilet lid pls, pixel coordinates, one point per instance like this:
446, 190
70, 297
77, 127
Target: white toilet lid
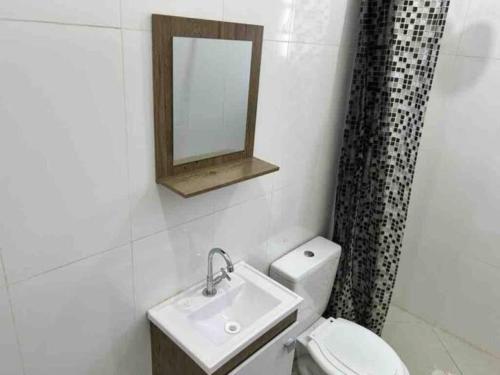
343, 347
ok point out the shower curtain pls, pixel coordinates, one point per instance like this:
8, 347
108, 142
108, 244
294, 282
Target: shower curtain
397, 52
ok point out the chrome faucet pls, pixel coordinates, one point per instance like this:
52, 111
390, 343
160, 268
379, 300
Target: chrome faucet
211, 282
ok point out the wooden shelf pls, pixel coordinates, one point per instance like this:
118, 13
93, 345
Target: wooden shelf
189, 184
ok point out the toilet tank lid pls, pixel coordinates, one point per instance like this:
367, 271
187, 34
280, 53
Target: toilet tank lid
305, 259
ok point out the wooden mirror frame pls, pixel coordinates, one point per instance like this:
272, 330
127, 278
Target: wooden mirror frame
199, 176
164, 29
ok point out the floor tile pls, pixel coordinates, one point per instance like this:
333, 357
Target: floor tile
469, 359
420, 349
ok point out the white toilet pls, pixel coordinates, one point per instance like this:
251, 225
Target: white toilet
329, 346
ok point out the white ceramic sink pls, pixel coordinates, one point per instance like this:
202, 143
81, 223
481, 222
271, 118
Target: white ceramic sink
214, 329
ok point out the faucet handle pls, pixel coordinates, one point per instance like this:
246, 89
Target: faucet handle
224, 274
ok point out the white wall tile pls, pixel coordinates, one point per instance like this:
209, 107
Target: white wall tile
481, 33
10, 359
242, 231
299, 213
170, 261
76, 319
136, 14
308, 102
423, 275
275, 15
62, 145
242, 192
472, 144
320, 21
455, 22
2, 274
272, 115
153, 207
87, 12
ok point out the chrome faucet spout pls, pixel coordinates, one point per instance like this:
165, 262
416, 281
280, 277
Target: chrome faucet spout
211, 282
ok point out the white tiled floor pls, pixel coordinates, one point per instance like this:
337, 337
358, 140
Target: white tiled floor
427, 350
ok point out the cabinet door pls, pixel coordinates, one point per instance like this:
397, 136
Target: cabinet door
275, 358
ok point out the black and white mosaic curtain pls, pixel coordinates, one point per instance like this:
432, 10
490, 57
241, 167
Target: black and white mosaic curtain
398, 49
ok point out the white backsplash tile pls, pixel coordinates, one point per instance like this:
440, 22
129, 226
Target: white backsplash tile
136, 14
10, 359
86, 12
242, 230
77, 319
170, 261
62, 145
289, 219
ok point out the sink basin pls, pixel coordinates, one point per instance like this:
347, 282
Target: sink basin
211, 330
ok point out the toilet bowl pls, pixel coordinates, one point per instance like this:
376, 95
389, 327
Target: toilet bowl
329, 346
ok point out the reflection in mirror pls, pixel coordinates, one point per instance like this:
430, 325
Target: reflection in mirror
210, 86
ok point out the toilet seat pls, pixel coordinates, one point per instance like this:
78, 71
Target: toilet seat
341, 347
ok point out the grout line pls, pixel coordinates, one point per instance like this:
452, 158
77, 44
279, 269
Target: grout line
121, 14
473, 346
127, 151
292, 20
462, 27
2, 266
127, 158
139, 29
60, 23
211, 213
446, 349
435, 326
494, 58
69, 263
338, 45
12, 316
134, 289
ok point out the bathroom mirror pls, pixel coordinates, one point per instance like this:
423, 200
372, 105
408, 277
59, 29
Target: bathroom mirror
211, 80
206, 83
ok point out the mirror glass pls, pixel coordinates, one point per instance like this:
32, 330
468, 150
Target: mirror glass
211, 79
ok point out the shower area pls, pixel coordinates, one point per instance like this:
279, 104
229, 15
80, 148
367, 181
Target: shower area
445, 314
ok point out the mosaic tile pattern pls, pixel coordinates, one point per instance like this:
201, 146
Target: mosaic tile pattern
394, 68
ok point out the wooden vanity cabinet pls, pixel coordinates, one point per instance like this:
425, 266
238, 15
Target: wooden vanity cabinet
268, 354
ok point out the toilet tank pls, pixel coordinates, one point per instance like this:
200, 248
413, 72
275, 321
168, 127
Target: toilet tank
309, 271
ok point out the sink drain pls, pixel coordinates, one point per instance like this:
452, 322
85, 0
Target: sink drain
232, 327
